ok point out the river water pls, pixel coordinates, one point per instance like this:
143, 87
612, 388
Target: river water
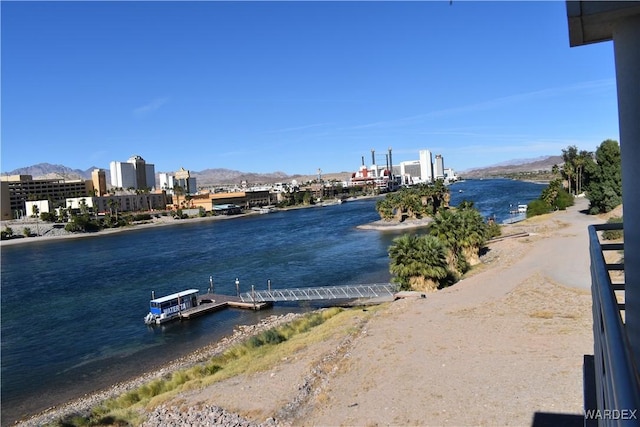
72, 310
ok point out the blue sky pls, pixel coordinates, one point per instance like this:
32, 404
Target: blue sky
297, 86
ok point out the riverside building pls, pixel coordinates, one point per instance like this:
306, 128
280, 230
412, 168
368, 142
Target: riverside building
16, 190
135, 173
406, 173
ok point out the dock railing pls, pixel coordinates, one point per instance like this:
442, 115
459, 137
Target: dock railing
616, 383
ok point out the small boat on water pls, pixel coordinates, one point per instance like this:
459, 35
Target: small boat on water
168, 308
264, 209
520, 209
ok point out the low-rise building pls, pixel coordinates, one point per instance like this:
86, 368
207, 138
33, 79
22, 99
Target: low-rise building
16, 190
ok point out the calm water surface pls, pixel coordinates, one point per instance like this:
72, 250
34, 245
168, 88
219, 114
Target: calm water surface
72, 310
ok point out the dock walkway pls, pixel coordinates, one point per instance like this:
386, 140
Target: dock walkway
208, 303
322, 293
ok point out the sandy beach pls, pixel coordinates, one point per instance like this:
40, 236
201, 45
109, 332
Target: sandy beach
504, 346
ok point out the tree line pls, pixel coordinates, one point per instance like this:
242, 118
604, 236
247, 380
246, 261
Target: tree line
598, 175
456, 236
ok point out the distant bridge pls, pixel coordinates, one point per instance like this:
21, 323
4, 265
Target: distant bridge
322, 293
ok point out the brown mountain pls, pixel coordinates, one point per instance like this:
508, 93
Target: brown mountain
207, 177
221, 176
514, 167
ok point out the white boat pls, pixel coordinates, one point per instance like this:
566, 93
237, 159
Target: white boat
168, 308
264, 209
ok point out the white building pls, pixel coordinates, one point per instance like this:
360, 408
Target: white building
134, 173
450, 175
167, 182
426, 166
182, 179
41, 205
123, 175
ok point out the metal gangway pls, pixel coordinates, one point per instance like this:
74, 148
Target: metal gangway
322, 293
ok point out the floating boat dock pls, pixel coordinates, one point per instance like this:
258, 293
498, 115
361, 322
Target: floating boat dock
188, 304
209, 303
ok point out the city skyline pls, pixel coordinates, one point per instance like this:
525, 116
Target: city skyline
297, 86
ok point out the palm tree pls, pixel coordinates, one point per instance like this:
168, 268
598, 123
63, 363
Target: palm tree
568, 170
177, 190
36, 212
418, 262
464, 232
113, 205
473, 233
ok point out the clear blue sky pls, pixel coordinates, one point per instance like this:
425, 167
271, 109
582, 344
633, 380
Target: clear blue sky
297, 86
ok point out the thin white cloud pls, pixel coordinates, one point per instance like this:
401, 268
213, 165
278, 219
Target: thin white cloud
150, 107
492, 103
297, 128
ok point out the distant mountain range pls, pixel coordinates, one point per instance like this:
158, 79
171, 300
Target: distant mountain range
207, 177
221, 176
544, 163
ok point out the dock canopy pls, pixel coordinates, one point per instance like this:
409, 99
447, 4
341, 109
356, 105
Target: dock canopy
182, 294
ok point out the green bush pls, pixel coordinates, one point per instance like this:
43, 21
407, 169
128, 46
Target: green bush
493, 229
269, 337
142, 217
613, 234
538, 207
563, 200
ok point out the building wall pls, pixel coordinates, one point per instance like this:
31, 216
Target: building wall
125, 203
167, 182
426, 166
140, 170
150, 176
20, 188
99, 178
439, 167
246, 199
43, 206
123, 175
5, 201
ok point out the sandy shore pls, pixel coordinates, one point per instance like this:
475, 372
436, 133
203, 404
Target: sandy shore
503, 346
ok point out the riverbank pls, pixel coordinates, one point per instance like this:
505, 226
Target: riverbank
47, 231
408, 224
51, 231
484, 351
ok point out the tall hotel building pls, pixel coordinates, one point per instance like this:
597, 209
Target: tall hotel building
426, 166
439, 167
134, 173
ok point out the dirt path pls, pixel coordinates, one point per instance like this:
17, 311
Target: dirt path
495, 349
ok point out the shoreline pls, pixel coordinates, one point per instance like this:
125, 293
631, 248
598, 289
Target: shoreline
503, 256
155, 222
380, 225
86, 402
408, 224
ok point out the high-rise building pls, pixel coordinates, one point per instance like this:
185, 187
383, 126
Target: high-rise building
186, 181
134, 173
122, 175
439, 167
167, 182
426, 166
182, 179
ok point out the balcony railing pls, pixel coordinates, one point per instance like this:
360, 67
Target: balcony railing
616, 384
